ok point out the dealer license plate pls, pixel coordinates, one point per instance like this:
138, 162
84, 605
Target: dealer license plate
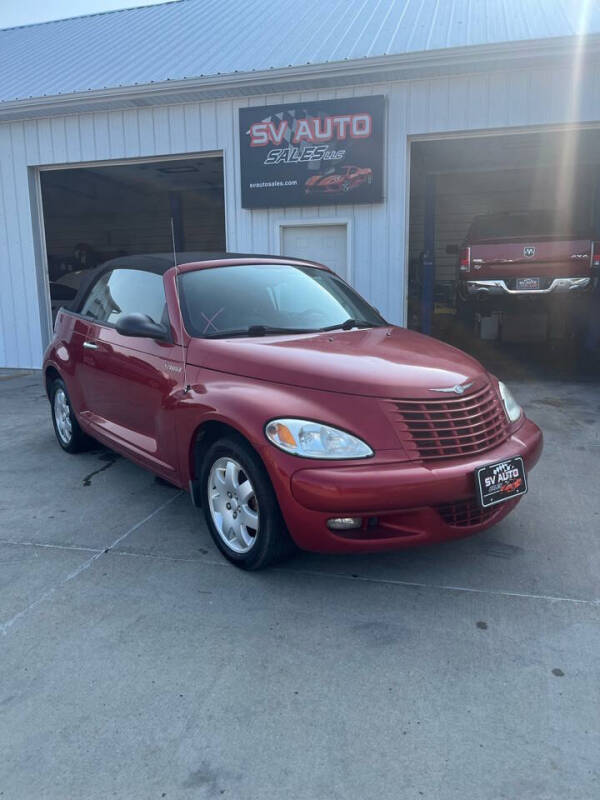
528, 283
502, 481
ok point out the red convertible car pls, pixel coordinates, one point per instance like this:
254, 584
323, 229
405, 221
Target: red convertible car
343, 179
288, 407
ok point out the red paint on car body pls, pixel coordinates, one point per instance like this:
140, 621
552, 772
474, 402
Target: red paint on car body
131, 395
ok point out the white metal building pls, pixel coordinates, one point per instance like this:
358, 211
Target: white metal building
166, 82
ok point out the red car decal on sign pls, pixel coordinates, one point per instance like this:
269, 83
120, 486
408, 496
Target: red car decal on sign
512, 486
342, 180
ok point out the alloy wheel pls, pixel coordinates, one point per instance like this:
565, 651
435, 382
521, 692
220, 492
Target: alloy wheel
233, 504
62, 416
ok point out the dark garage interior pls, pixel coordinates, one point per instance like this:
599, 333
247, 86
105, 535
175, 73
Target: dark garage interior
93, 214
509, 199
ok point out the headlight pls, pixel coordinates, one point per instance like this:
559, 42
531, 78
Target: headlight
314, 440
512, 408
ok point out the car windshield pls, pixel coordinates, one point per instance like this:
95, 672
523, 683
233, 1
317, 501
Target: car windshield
255, 300
525, 224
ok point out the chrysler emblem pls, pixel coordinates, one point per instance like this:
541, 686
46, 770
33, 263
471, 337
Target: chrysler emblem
529, 252
458, 389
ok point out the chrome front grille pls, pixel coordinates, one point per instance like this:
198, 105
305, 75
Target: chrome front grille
450, 428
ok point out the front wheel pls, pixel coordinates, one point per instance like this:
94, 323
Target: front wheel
240, 506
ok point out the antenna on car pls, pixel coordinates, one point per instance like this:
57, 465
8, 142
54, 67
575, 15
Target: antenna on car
186, 386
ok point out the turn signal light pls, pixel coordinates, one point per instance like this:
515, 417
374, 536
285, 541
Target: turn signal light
285, 435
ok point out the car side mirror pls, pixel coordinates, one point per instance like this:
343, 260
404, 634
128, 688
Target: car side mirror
140, 325
452, 249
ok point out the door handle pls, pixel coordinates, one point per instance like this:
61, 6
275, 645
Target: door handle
90, 346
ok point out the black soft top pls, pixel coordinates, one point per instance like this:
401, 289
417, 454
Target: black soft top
161, 262
157, 262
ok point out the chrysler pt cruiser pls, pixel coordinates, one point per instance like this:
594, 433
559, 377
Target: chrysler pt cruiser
292, 412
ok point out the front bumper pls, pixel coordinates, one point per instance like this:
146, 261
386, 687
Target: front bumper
403, 503
500, 287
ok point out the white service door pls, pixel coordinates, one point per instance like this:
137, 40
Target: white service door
326, 244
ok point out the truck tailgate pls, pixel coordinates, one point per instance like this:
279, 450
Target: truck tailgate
550, 258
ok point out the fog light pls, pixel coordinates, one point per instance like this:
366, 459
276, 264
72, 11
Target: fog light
344, 523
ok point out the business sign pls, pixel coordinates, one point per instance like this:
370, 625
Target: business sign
329, 151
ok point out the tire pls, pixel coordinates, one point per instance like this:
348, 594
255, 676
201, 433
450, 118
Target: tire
240, 506
68, 433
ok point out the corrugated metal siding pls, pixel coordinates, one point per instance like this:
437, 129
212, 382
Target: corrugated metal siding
195, 38
504, 99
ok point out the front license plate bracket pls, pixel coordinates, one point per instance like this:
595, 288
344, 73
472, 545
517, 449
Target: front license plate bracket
499, 482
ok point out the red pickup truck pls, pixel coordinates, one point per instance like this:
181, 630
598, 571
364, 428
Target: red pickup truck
525, 253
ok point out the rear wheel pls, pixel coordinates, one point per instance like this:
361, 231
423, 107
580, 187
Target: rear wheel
68, 433
240, 506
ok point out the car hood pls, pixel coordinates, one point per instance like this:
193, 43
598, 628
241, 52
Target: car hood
379, 362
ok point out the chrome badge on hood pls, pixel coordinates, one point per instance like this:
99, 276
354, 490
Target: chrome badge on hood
458, 389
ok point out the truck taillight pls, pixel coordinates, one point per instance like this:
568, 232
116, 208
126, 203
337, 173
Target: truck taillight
465, 259
596, 255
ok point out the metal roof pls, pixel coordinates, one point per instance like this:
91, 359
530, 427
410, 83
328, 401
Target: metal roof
198, 38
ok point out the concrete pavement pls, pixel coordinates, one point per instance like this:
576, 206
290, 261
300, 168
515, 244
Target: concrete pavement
136, 663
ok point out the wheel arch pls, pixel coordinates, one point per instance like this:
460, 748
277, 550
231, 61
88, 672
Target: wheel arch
50, 375
208, 432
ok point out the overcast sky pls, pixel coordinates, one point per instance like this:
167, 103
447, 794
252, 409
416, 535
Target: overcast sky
25, 12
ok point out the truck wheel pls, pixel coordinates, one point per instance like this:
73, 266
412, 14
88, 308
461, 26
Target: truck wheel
240, 506
68, 433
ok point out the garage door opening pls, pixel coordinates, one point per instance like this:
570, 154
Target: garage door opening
504, 259
93, 214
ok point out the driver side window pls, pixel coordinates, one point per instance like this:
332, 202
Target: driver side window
124, 291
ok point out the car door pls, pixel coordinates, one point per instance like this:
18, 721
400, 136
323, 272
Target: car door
130, 381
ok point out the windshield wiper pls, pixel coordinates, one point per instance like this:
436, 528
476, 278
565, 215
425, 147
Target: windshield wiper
264, 330
257, 330
348, 324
